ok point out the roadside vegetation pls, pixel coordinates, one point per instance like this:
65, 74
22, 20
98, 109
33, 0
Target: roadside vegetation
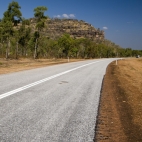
121, 118
12, 65
18, 39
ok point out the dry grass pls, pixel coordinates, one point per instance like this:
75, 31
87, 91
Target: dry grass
7, 66
129, 73
120, 111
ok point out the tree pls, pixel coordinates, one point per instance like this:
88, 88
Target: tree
1, 39
128, 52
11, 17
25, 33
40, 18
7, 32
65, 42
13, 13
74, 49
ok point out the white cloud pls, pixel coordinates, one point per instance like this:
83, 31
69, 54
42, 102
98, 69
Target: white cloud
65, 16
68, 16
57, 16
105, 28
72, 16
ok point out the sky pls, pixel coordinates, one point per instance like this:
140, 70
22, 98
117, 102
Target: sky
120, 19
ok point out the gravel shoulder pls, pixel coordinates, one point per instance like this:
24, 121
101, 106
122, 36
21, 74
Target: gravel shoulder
120, 110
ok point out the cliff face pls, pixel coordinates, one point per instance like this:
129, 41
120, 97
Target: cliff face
77, 29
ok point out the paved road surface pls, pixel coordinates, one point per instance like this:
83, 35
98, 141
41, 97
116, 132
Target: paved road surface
52, 104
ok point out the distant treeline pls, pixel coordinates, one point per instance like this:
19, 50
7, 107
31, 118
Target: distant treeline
17, 39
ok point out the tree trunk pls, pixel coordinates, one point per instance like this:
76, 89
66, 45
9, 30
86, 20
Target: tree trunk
8, 43
16, 51
2, 50
6, 52
35, 54
25, 51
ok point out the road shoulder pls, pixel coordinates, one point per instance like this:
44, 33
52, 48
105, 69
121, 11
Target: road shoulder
120, 110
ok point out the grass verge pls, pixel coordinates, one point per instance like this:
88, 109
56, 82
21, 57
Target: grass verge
8, 66
120, 111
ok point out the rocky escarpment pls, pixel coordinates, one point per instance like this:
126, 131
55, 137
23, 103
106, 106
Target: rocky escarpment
77, 29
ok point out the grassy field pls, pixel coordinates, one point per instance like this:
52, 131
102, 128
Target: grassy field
120, 112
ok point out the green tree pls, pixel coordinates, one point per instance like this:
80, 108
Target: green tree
65, 42
40, 18
11, 17
128, 52
25, 34
13, 13
74, 48
7, 32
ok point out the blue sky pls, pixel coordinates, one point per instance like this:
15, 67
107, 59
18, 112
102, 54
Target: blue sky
120, 19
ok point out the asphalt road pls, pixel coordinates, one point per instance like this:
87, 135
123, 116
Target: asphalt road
52, 104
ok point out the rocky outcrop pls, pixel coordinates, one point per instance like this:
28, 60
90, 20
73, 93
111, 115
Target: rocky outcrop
77, 29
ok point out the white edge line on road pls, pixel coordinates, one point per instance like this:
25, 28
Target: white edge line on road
41, 81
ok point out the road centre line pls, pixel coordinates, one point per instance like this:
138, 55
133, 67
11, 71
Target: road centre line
43, 80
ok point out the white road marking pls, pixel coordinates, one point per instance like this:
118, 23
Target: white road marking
41, 81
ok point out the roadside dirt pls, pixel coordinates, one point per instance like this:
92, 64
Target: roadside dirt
120, 110
8, 66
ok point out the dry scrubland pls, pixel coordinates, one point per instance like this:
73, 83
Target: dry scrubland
120, 112
7, 66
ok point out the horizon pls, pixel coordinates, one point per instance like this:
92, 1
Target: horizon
120, 20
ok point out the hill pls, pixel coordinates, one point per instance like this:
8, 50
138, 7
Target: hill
75, 28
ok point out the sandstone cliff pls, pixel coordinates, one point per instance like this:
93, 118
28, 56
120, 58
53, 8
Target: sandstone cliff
77, 29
